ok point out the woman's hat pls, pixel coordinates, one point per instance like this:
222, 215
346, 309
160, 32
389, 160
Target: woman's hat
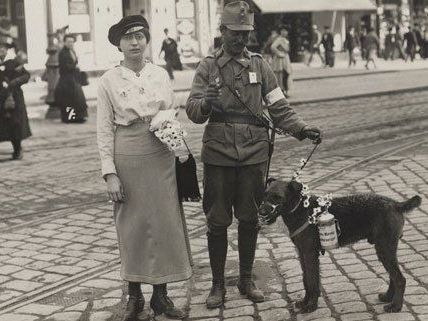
128, 25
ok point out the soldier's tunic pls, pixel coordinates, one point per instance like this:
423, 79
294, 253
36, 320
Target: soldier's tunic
234, 150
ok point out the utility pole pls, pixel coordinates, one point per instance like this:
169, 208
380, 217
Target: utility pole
52, 66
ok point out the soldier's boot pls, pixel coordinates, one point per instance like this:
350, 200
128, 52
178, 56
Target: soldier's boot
161, 303
247, 240
135, 305
217, 249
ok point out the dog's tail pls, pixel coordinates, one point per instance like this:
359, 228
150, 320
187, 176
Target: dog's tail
410, 204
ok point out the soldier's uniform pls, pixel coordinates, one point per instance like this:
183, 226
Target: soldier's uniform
235, 143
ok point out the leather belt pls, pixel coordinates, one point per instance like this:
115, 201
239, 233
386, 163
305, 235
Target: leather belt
235, 118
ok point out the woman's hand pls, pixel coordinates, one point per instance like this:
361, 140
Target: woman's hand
115, 188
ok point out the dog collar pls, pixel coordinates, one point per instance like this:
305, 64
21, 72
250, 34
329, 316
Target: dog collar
296, 207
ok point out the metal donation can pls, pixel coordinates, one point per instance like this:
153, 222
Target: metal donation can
327, 231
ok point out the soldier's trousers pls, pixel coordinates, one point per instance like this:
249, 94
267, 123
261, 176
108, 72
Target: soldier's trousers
232, 191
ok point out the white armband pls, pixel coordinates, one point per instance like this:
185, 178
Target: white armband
273, 96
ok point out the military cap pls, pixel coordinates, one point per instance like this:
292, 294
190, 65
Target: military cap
128, 25
238, 16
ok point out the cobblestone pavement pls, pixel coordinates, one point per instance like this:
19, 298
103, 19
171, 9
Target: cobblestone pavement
58, 252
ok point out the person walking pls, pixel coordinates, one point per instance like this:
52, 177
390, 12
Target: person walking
171, 55
399, 42
281, 63
68, 93
425, 42
314, 48
14, 125
390, 44
328, 44
140, 172
411, 44
351, 45
235, 146
371, 43
419, 40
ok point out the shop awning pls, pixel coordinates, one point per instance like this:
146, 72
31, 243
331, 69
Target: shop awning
278, 6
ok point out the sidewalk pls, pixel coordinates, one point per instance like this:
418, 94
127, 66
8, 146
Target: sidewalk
310, 83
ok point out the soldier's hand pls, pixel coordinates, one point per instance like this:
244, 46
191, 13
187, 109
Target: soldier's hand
313, 133
212, 94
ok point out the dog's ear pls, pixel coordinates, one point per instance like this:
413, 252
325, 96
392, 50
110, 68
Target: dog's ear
295, 186
269, 181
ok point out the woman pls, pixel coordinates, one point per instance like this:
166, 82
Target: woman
351, 45
140, 172
68, 93
371, 43
14, 126
281, 63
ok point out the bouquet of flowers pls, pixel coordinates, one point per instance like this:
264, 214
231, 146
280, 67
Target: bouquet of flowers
171, 134
168, 129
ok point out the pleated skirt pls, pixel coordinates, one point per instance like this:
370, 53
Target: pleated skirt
152, 235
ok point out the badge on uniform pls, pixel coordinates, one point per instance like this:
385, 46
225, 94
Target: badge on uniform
253, 77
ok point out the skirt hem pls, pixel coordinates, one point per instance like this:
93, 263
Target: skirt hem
158, 280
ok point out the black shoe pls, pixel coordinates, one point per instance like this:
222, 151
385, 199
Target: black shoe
17, 155
161, 303
217, 294
248, 288
134, 307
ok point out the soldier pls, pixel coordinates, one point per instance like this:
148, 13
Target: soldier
236, 144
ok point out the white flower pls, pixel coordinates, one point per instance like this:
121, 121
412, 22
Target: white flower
302, 162
306, 203
316, 211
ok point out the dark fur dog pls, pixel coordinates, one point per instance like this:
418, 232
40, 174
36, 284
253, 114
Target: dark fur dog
362, 216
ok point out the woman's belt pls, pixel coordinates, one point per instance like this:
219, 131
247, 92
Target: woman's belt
235, 118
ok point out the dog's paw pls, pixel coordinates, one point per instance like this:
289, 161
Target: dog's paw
308, 308
392, 308
385, 297
300, 304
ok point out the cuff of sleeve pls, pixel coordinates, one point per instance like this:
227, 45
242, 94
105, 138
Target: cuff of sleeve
208, 114
108, 168
297, 130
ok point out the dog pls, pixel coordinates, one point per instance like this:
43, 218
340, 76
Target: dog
373, 217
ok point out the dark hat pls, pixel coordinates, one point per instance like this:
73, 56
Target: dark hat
127, 25
238, 16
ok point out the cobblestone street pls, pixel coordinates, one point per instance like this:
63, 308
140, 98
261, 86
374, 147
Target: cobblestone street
58, 245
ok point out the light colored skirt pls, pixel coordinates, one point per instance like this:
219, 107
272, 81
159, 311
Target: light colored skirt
153, 241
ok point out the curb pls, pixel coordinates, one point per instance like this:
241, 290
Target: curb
369, 94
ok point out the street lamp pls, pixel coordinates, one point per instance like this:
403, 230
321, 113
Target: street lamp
52, 65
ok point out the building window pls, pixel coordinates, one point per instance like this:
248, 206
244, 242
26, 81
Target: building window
4, 9
78, 7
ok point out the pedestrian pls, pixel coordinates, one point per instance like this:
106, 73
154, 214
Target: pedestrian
399, 42
411, 44
425, 42
314, 48
140, 172
68, 93
14, 125
371, 43
389, 44
171, 55
328, 44
281, 63
235, 143
363, 35
351, 45
266, 50
419, 40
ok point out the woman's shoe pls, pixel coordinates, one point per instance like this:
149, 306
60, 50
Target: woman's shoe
161, 303
134, 307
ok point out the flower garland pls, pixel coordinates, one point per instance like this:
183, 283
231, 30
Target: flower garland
323, 201
171, 134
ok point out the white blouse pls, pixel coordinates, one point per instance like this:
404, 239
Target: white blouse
123, 98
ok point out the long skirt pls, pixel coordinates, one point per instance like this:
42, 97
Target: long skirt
153, 241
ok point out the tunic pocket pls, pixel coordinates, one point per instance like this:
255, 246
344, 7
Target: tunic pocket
258, 134
214, 133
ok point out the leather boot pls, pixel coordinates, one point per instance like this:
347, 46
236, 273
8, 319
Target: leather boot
161, 303
247, 241
135, 303
217, 249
